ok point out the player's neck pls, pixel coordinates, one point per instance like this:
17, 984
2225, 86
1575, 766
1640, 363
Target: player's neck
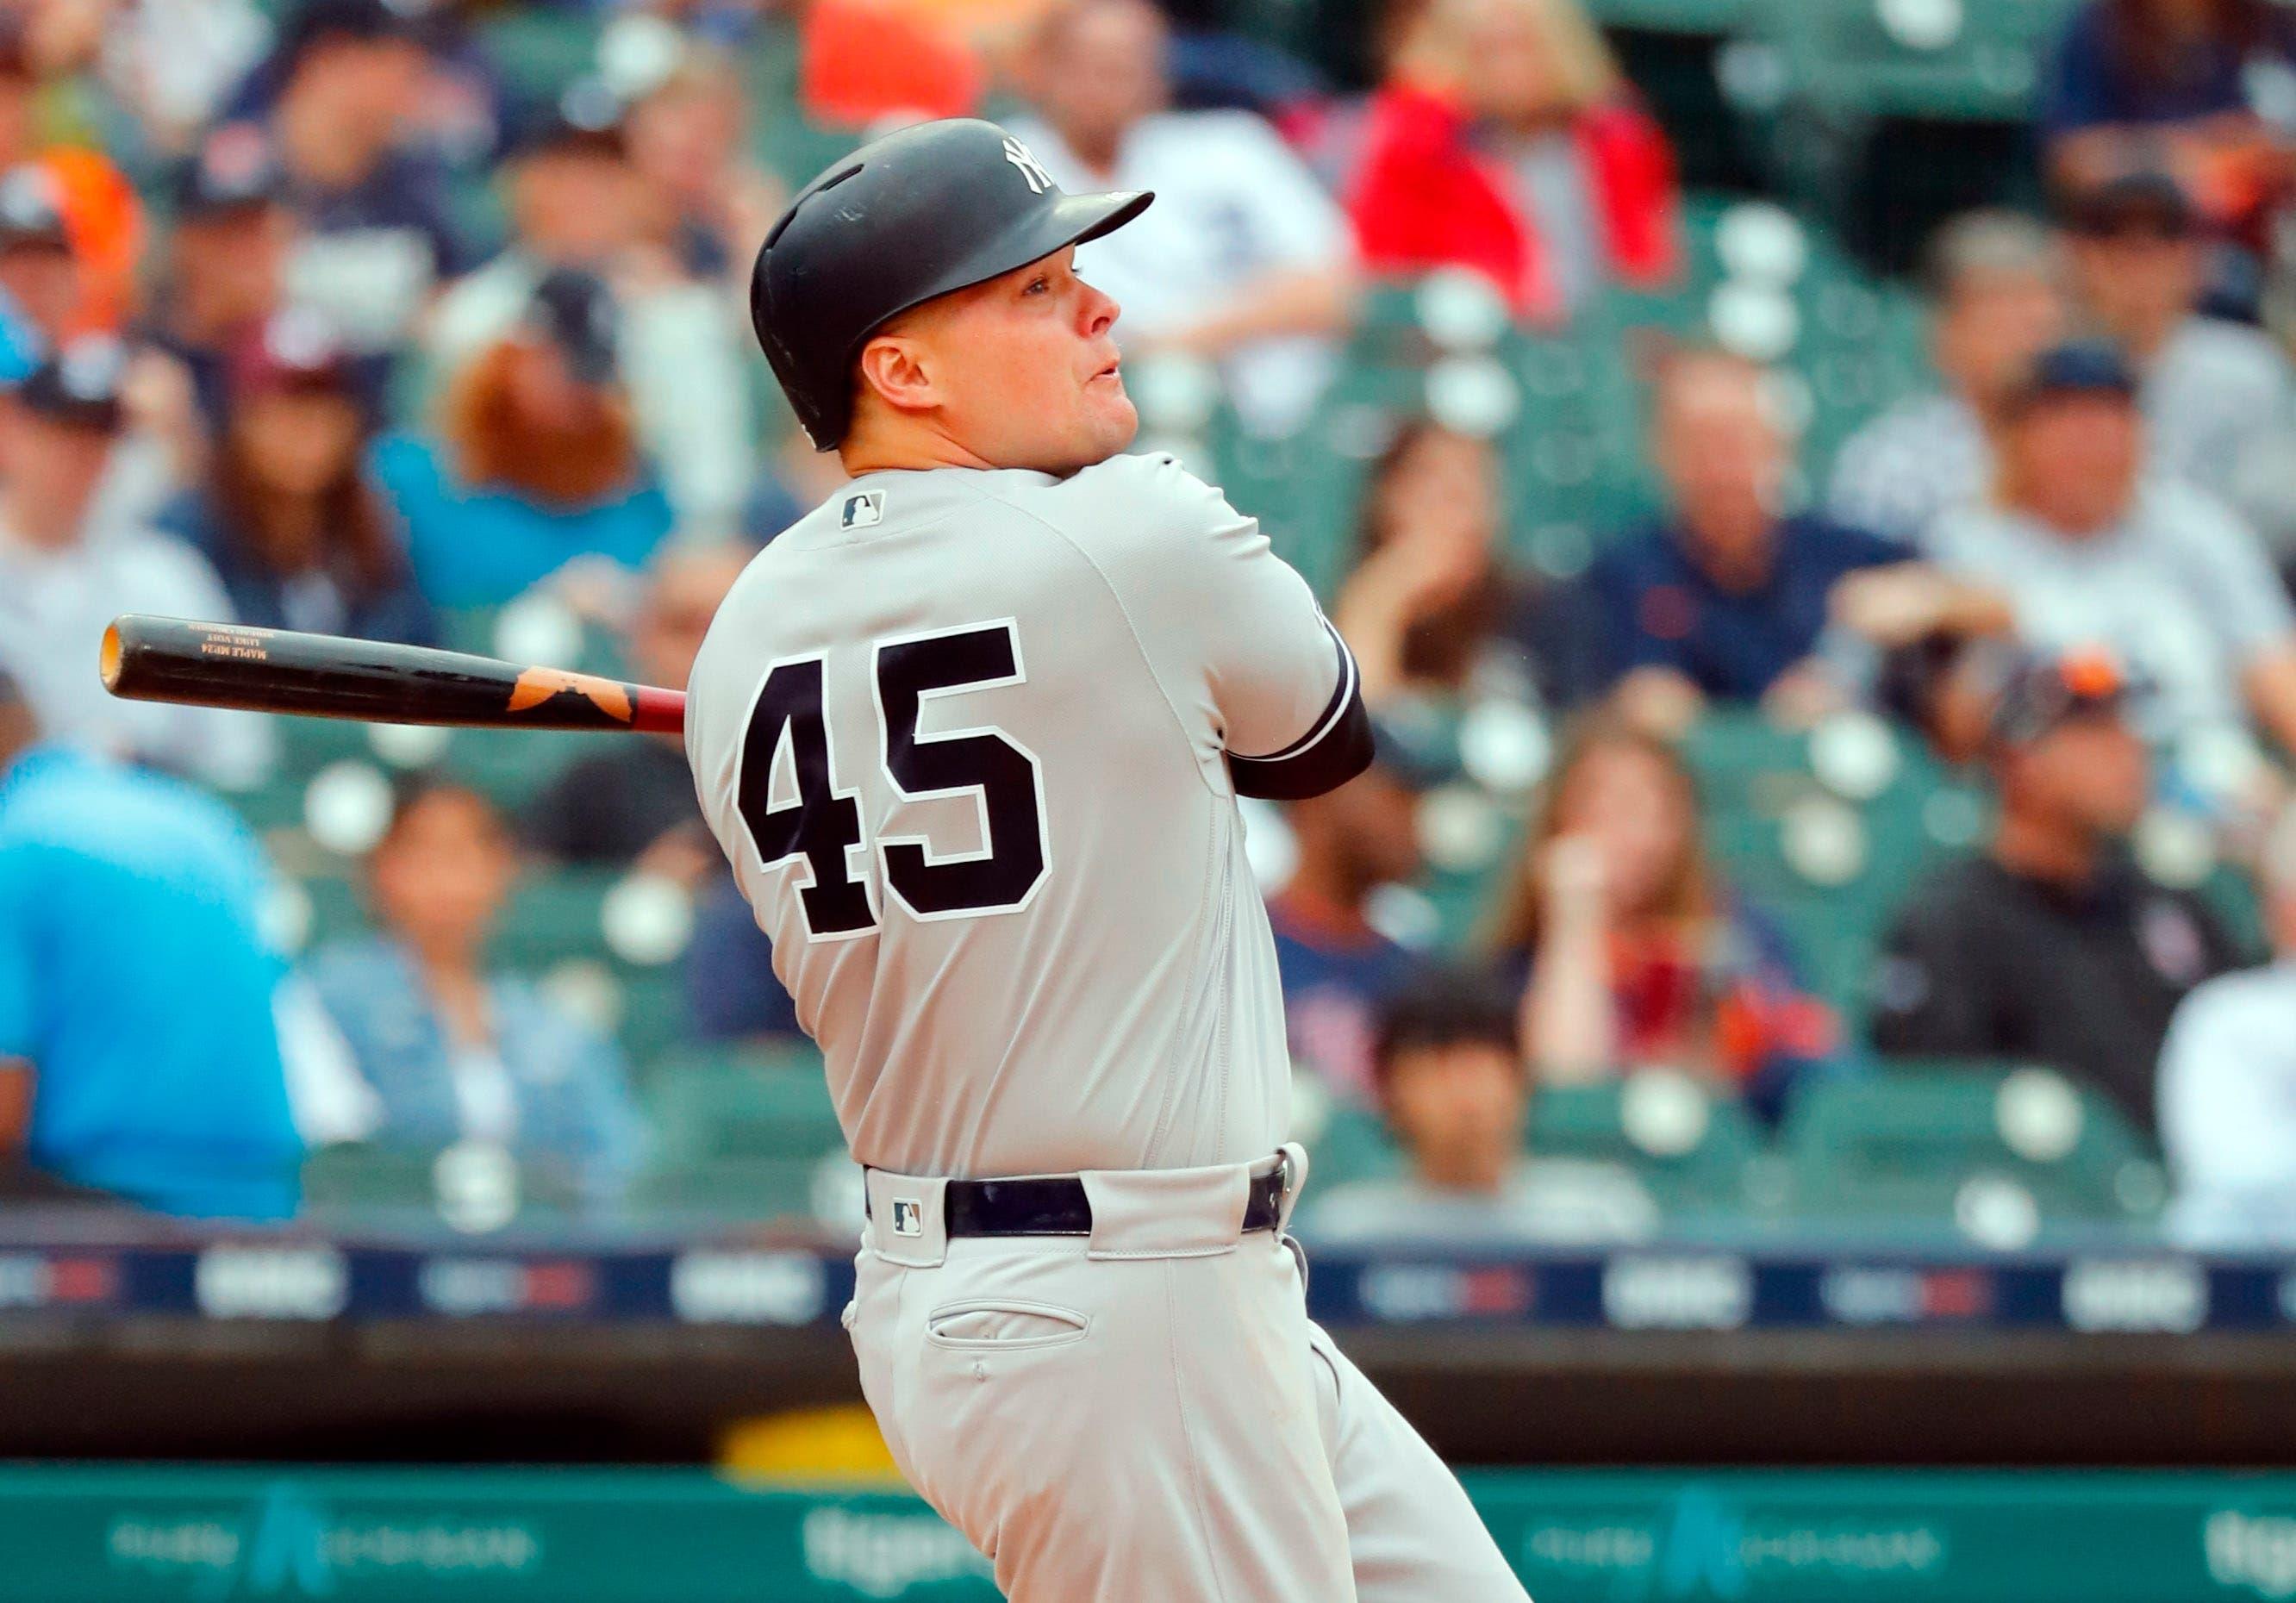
899, 447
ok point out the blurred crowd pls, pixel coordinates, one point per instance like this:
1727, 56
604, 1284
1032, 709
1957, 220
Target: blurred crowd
375, 316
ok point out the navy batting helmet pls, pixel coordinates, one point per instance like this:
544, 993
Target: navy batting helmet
917, 214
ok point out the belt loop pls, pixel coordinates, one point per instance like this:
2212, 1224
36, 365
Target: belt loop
1294, 1159
907, 1224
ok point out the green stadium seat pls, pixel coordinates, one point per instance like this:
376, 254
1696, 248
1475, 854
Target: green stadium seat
361, 1184
741, 1106
746, 1189
1907, 1143
1691, 1149
1868, 58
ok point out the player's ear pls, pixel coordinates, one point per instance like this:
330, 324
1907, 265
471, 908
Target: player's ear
899, 370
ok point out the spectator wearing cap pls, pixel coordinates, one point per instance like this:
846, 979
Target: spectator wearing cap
63, 577
456, 1052
1434, 615
2219, 398
577, 203
138, 1052
1727, 598
1505, 140
288, 514
225, 265
1633, 952
1245, 260
2227, 1091
1452, 1081
2087, 548
376, 230
2051, 946
42, 293
1337, 966
2198, 85
1996, 301
537, 461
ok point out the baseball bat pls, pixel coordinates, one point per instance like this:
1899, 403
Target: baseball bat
332, 677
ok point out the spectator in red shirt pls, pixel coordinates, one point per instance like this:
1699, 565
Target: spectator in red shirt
1504, 140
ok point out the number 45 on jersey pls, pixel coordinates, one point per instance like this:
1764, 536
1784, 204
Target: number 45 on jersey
820, 822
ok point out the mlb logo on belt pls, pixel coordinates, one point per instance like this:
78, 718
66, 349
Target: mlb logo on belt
909, 1216
863, 510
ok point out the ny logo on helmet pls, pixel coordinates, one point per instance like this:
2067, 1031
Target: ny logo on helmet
1032, 169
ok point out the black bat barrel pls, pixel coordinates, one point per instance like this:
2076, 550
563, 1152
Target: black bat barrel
329, 676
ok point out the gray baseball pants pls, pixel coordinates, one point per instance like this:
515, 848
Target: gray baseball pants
1147, 1415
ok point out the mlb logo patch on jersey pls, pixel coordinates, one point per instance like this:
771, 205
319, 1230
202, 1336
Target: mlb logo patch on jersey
863, 510
908, 1214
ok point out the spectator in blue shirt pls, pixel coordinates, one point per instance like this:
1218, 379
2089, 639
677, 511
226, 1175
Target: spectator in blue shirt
288, 516
378, 228
138, 1052
1337, 968
1726, 599
2136, 85
454, 1052
537, 463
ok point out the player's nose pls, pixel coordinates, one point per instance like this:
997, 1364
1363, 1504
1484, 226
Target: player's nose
1099, 310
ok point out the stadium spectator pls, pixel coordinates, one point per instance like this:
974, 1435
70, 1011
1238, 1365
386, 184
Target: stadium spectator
1997, 302
224, 258
40, 277
634, 799
456, 1053
2088, 549
2136, 85
2228, 1087
377, 229
2219, 398
2050, 946
1429, 610
288, 517
1337, 967
138, 1054
538, 462
63, 577
1505, 140
225, 263
705, 203
1451, 1081
1634, 952
578, 204
1725, 598
1243, 260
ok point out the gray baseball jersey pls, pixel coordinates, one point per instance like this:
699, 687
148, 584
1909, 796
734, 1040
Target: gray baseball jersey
972, 741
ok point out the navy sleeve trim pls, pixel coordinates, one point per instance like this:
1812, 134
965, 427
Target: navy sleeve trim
1336, 748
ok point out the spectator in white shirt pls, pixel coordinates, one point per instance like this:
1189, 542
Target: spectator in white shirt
65, 573
2089, 549
1997, 302
1248, 262
2221, 398
2228, 1088
1455, 1086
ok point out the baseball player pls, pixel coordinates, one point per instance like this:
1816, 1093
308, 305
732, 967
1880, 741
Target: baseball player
972, 734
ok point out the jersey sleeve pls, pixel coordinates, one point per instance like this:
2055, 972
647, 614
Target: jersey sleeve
1232, 633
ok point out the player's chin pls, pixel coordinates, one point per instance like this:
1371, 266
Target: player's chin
1109, 413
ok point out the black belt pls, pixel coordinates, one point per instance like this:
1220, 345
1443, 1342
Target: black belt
1057, 1206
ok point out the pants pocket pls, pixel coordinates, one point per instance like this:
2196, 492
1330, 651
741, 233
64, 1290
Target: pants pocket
1003, 1325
